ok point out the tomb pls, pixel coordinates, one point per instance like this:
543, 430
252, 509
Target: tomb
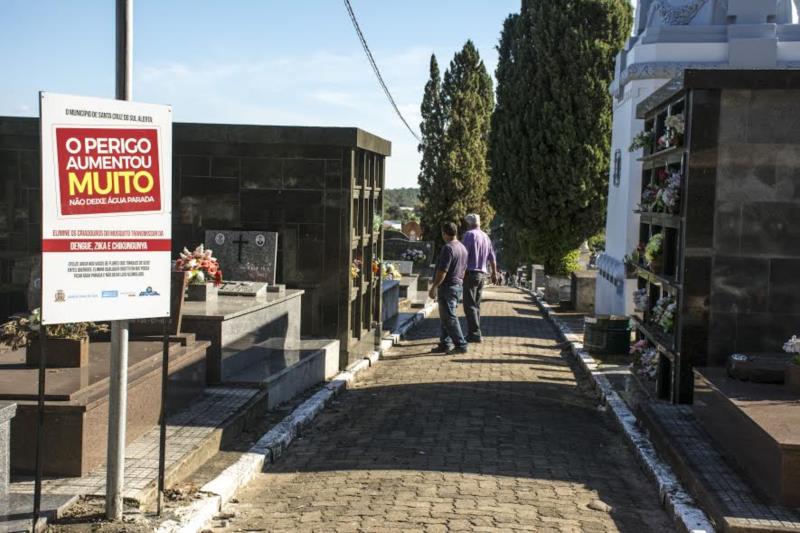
319, 189
723, 255
233, 323
76, 401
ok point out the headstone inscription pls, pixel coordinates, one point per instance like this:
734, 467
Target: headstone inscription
245, 256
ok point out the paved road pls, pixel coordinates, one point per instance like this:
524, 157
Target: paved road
500, 439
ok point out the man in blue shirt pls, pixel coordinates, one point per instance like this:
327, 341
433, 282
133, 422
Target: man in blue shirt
447, 290
481, 260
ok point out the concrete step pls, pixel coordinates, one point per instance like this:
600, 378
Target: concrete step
287, 371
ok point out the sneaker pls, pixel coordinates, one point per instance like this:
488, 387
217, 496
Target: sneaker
474, 338
441, 349
457, 350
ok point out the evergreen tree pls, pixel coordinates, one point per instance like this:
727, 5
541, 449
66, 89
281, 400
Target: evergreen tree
552, 128
468, 100
430, 177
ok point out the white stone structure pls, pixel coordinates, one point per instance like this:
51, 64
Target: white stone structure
670, 36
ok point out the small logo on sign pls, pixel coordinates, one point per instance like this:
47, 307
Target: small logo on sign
260, 240
109, 294
148, 292
61, 296
219, 238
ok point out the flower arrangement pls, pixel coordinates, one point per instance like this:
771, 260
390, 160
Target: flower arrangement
376, 266
22, 329
653, 249
674, 127
643, 139
663, 313
641, 300
645, 359
412, 254
662, 195
201, 265
355, 269
793, 346
390, 271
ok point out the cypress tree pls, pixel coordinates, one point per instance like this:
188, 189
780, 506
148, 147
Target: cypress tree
430, 176
468, 100
550, 153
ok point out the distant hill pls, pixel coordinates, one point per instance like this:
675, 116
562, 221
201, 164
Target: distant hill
403, 197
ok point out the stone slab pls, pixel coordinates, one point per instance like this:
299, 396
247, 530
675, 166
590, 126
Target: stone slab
16, 510
245, 255
232, 325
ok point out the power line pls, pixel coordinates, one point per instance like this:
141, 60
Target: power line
375, 67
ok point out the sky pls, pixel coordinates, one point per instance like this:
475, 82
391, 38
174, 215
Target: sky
289, 62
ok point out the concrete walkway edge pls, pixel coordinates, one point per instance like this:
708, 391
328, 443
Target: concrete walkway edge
216, 493
674, 497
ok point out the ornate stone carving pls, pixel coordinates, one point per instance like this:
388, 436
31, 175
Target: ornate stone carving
674, 15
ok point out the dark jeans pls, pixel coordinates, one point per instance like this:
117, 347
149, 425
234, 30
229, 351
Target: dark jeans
473, 287
448, 297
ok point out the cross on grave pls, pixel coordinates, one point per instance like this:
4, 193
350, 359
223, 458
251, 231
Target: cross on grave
240, 242
750, 12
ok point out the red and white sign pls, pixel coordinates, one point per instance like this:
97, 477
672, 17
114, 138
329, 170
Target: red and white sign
106, 200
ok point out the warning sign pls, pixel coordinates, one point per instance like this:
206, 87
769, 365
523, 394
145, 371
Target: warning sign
106, 198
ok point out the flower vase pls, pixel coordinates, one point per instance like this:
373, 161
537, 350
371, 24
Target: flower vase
201, 292
60, 353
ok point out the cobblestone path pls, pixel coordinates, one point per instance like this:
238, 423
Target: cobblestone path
501, 439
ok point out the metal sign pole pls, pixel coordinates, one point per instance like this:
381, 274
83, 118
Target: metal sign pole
162, 419
37, 487
118, 376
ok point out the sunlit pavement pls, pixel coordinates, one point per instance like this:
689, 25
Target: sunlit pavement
503, 438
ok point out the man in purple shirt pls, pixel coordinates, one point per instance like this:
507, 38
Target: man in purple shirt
447, 287
481, 259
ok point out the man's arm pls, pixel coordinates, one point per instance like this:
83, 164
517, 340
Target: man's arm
492, 262
442, 266
437, 281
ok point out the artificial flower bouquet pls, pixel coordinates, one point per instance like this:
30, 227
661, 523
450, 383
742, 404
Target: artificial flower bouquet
200, 265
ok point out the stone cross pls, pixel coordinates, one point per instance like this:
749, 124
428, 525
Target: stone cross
240, 242
752, 12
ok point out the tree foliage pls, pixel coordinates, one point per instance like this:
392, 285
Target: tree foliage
432, 130
454, 174
551, 129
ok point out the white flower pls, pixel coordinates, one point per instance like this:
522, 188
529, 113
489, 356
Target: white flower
792, 345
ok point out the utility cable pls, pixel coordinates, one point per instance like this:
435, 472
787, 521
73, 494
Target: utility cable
375, 67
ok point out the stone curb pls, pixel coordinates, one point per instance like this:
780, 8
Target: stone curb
192, 517
674, 497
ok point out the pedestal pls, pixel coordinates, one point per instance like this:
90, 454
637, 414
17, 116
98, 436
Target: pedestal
408, 286
233, 324
76, 402
583, 290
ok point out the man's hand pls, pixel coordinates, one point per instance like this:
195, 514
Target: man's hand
432, 293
